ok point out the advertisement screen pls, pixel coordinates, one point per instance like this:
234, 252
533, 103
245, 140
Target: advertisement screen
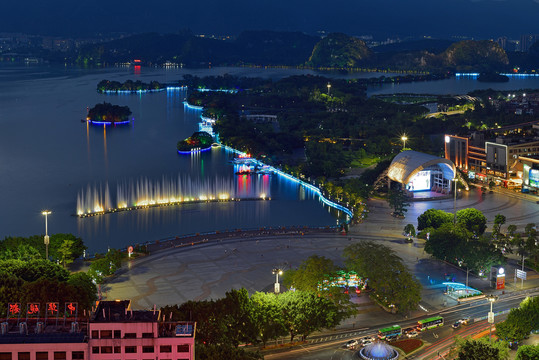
534, 177
420, 182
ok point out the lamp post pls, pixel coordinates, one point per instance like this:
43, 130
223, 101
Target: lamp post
491, 298
404, 138
277, 272
455, 180
46, 238
329, 87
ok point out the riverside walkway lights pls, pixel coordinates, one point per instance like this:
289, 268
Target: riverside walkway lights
277, 272
46, 238
329, 87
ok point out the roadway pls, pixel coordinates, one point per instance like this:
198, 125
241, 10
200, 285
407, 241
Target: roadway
436, 341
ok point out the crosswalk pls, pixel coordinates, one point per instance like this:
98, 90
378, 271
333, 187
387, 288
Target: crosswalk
337, 337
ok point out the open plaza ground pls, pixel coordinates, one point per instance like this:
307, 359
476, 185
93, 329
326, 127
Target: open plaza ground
209, 269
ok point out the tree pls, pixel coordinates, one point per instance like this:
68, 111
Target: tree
528, 352
433, 218
212, 352
520, 321
305, 312
409, 230
499, 220
387, 275
473, 220
447, 242
236, 311
267, 316
310, 273
65, 252
482, 349
85, 289
398, 201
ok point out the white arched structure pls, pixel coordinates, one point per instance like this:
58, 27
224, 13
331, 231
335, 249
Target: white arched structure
422, 172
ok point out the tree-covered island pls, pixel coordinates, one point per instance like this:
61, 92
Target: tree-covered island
108, 113
128, 86
200, 140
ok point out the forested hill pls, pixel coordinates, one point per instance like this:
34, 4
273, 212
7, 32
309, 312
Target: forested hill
297, 49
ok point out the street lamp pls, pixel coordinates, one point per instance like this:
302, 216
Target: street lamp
277, 272
329, 87
404, 138
491, 298
46, 238
455, 180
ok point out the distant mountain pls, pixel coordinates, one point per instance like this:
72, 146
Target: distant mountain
274, 48
252, 47
297, 49
479, 56
339, 50
430, 45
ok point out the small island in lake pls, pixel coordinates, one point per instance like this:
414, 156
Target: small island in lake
200, 140
492, 77
108, 114
130, 86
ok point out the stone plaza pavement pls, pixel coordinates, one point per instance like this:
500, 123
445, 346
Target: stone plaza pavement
208, 270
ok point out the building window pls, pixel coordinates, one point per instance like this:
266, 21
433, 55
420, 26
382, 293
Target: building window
117, 334
60, 355
147, 349
42, 355
5, 356
183, 348
165, 348
130, 349
130, 335
106, 334
117, 349
95, 334
24, 356
106, 349
77, 355
147, 335
95, 349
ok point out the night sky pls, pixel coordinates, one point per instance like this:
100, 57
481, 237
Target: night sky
380, 18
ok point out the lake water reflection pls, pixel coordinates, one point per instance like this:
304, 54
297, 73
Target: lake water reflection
47, 156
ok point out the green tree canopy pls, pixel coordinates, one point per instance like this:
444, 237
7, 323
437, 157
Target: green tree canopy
482, 349
387, 275
520, 321
528, 352
433, 218
473, 220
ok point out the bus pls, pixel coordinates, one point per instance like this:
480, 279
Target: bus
430, 323
390, 332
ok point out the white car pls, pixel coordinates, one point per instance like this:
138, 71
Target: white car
412, 334
367, 342
352, 344
368, 339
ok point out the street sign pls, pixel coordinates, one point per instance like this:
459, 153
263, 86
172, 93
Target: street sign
130, 250
521, 274
490, 317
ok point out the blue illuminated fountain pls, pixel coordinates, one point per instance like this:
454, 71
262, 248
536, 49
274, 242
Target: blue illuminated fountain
378, 351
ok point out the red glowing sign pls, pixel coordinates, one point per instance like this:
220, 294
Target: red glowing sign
32, 309
14, 309
71, 308
52, 308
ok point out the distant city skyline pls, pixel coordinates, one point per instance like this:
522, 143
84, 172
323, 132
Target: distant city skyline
441, 18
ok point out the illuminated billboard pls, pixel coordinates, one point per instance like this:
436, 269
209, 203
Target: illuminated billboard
420, 182
534, 177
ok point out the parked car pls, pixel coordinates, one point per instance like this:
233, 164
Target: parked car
352, 343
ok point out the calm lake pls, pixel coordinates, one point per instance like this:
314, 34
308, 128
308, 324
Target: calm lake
48, 156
